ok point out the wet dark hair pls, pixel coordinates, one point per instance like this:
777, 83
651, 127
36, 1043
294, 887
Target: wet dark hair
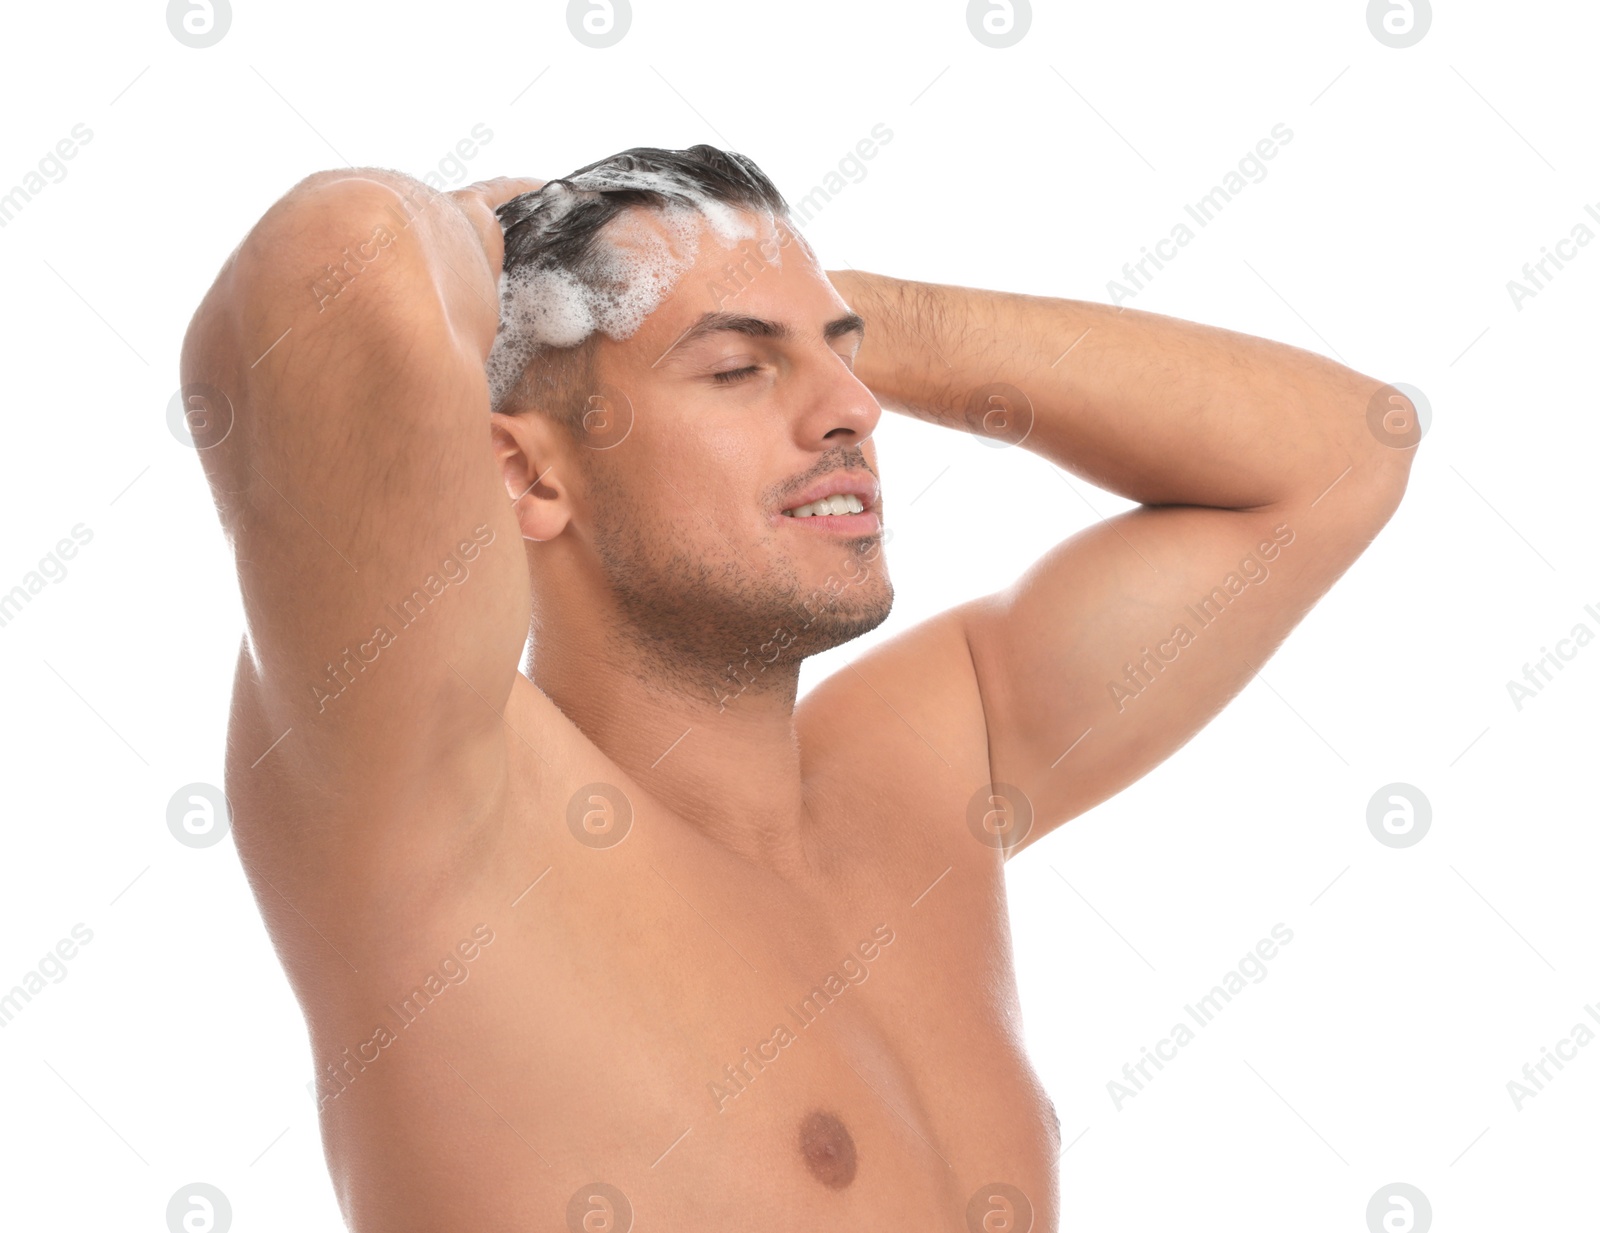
540, 235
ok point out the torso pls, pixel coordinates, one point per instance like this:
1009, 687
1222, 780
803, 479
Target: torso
660, 1020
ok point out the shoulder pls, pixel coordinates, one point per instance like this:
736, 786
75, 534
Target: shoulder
897, 736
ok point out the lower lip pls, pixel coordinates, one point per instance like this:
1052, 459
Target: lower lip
864, 523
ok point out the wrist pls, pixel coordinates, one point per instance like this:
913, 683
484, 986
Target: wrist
876, 299
485, 225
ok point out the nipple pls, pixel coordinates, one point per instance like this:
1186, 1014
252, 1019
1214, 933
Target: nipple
829, 1151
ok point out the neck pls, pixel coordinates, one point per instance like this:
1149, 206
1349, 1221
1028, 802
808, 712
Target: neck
725, 760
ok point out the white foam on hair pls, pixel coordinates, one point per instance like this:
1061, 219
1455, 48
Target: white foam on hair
640, 255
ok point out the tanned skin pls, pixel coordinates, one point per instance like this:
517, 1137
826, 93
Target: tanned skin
432, 808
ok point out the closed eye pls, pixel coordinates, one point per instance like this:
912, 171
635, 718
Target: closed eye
735, 374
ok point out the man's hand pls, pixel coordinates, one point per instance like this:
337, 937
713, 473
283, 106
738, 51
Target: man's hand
479, 202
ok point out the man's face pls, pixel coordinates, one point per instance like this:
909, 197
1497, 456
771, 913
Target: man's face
743, 406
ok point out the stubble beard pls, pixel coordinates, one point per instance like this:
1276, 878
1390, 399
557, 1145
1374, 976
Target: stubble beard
712, 627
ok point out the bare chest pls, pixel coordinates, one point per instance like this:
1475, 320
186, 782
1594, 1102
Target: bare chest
644, 1024
721, 1047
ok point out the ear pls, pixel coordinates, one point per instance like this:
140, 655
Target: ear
533, 461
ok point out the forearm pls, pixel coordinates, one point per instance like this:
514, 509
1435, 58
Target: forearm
1158, 410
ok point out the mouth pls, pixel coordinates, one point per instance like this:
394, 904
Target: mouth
828, 507
843, 504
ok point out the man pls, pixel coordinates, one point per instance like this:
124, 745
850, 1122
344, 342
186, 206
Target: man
635, 937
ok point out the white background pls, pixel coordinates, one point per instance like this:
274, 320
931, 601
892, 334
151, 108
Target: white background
1418, 181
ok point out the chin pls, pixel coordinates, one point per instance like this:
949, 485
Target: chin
857, 610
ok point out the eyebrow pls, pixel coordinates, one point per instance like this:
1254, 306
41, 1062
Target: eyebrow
759, 327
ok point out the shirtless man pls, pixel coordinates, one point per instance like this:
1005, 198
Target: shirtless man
635, 940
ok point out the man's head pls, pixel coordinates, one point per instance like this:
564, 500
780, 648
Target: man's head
574, 267
673, 374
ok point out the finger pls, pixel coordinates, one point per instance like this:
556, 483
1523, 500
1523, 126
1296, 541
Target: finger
502, 189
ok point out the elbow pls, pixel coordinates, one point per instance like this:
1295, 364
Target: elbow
1360, 466
320, 216
1397, 418
1381, 450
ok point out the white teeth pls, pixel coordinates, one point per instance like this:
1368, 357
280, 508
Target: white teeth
844, 503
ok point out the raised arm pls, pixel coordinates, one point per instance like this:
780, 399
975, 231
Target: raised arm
1262, 472
335, 379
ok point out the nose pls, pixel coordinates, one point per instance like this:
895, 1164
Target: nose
838, 409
